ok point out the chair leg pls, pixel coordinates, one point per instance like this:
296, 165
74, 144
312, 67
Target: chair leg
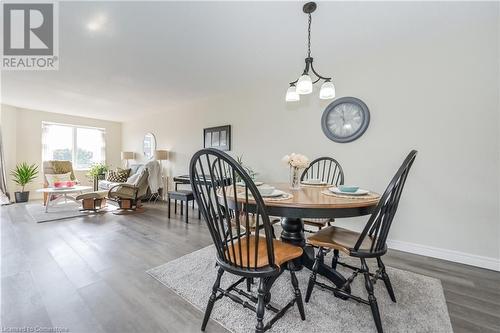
335, 258
187, 211
168, 208
371, 296
298, 294
182, 207
261, 306
312, 278
175, 206
249, 284
199, 214
386, 279
212, 299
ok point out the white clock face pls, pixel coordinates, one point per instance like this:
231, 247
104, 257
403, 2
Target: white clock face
345, 119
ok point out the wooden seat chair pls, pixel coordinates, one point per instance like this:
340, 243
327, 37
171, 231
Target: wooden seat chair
252, 220
239, 251
328, 170
370, 243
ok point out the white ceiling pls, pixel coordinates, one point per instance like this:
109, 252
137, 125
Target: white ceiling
156, 56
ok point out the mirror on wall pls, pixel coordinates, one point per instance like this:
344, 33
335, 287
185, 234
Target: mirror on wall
149, 145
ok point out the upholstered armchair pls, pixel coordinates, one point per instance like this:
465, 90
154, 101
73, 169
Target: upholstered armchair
56, 168
129, 195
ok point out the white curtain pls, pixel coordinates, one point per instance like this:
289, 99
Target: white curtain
45, 146
103, 147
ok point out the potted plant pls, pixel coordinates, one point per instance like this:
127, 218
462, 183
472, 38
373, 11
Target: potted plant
248, 169
97, 172
22, 175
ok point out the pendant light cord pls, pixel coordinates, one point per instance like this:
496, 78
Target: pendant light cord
309, 37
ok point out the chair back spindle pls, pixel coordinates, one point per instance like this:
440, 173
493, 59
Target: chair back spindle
326, 169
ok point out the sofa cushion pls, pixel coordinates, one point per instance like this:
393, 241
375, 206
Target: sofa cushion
134, 179
134, 168
106, 185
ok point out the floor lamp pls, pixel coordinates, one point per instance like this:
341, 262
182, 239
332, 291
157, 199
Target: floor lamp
162, 155
127, 155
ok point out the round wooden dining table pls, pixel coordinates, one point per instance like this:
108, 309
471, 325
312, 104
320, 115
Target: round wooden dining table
310, 202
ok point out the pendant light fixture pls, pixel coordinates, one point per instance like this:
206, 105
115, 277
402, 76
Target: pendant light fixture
304, 84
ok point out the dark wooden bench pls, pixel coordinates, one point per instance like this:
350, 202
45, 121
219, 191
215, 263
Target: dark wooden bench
181, 195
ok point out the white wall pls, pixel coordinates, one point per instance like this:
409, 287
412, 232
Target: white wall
435, 89
22, 134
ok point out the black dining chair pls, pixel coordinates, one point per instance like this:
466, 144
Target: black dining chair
228, 209
328, 170
369, 244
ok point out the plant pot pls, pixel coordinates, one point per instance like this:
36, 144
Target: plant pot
22, 196
97, 178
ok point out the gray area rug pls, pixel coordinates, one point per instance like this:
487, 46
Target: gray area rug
420, 306
60, 211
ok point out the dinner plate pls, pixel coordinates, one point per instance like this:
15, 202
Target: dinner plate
243, 184
275, 193
306, 182
360, 191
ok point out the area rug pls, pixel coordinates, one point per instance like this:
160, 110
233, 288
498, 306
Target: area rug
60, 211
420, 306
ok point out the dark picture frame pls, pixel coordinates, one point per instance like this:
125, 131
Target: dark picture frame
218, 137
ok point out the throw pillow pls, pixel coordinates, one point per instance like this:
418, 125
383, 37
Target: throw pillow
118, 176
62, 177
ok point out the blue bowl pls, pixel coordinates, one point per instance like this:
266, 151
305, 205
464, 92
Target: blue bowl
347, 188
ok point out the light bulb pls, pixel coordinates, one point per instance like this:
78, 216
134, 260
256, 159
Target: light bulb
327, 90
304, 85
291, 95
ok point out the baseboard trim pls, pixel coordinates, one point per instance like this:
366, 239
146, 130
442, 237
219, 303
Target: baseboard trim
450, 255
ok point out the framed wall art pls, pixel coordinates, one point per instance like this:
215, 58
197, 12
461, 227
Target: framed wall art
217, 137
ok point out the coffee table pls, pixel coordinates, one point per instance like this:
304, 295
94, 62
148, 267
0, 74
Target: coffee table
62, 193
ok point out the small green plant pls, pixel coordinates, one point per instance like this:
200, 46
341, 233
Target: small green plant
96, 170
249, 170
24, 174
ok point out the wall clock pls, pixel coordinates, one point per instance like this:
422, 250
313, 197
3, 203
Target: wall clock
345, 119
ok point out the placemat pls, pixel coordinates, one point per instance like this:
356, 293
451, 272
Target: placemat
369, 196
318, 185
285, 196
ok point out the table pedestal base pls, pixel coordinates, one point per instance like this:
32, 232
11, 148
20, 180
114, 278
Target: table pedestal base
293, 233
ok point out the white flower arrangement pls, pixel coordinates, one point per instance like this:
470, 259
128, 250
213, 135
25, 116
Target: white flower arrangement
296, 160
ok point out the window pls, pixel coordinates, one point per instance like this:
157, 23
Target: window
83, 146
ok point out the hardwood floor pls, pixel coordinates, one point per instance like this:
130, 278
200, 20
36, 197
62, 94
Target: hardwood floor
88, 275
